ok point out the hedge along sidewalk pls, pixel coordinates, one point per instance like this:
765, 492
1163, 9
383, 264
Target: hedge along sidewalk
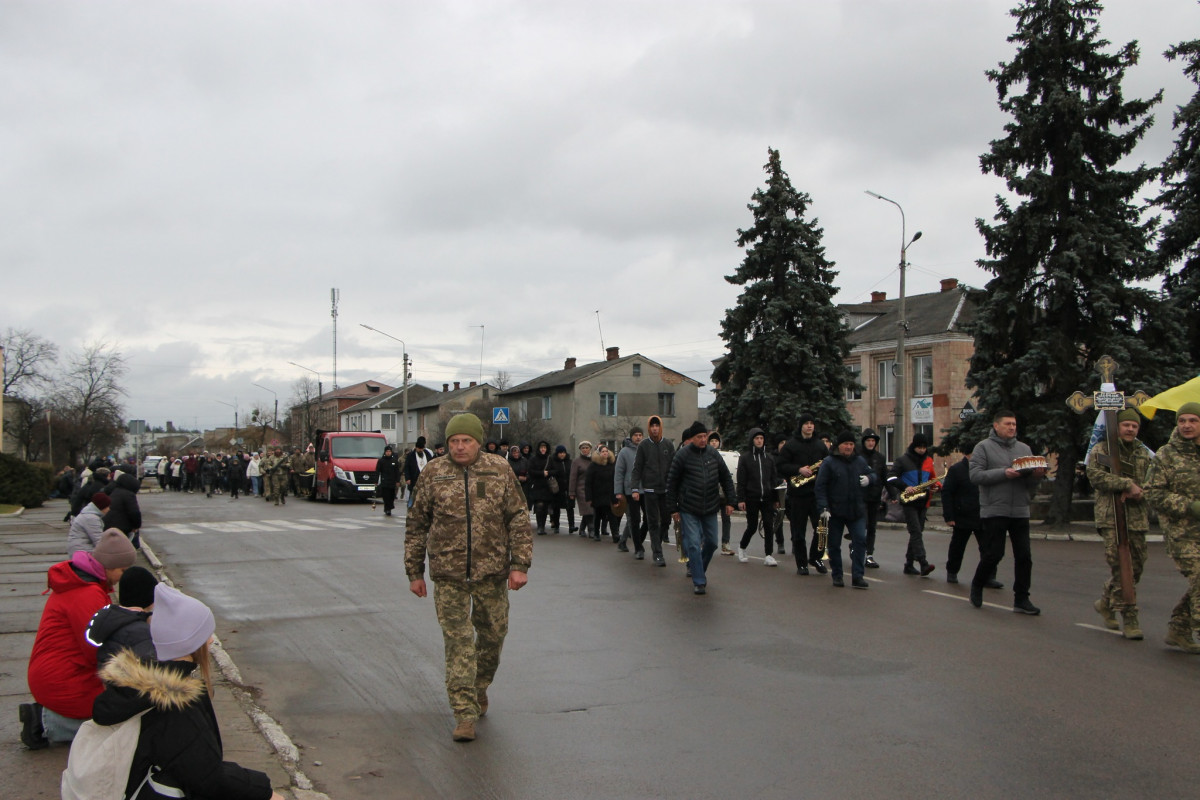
29, 544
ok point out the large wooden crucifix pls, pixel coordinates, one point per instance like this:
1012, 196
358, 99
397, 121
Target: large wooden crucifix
1109, 402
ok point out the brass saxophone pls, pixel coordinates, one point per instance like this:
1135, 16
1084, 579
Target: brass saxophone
800, 480
914, 493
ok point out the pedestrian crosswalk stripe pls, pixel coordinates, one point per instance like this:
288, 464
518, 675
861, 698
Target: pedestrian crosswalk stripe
967, 599
287, 523
1099, 628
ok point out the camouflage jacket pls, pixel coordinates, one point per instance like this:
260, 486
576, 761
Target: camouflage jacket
1172, 485
271, 465
1135, 463
470, 521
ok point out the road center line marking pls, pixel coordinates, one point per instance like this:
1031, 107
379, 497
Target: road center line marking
965, 599
1100, 628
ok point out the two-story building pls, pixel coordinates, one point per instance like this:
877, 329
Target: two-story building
428, 411
599, 402
938, 351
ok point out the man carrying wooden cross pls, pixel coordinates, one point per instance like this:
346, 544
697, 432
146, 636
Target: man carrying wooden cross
1126, 482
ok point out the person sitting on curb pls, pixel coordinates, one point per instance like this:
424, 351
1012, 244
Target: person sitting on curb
179, 751
88, 526
125, 625
62, 667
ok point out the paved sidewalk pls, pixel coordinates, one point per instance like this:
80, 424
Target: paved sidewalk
29, 544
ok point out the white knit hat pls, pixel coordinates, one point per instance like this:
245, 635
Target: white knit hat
180, 625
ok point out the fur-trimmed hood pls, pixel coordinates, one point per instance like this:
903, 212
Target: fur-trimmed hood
167, 685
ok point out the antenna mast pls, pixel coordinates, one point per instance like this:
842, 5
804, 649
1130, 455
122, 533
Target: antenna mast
600, 329
334, 294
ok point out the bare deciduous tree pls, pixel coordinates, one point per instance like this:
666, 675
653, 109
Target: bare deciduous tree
27, 360
87, 400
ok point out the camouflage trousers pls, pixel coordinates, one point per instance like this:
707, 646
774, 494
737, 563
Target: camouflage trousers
474, 620
1185, 617
276, 485
1111, 593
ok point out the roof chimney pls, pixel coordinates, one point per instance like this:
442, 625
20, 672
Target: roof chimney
949, 284
456, 386
472, 384
878, 297
445, 387
613, 353
569, 363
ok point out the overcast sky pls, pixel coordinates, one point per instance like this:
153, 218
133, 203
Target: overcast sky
189, 180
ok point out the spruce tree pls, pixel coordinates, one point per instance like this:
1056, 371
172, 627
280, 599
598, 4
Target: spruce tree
1180, 242
1068, 248
786, 339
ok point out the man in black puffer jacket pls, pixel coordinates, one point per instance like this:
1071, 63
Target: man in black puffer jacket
124, 513
82, 496
843, 487
797, 458
697, 478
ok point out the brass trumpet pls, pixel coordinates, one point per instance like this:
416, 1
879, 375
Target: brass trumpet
914, 493
823, 536
800, 480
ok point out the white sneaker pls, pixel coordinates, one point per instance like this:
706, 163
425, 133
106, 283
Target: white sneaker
741, 556
770, 561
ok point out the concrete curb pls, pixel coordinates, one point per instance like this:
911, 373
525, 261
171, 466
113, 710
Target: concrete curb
16, 513
271, 730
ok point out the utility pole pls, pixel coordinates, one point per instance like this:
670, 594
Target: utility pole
899, 436
334, 294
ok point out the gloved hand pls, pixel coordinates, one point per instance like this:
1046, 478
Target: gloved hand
825, 515
864, 481
1194, 509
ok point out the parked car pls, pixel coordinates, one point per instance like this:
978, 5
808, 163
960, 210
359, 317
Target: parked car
150, 466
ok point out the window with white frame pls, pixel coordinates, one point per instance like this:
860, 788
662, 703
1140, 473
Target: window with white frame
922, 372
547, 407
886, 382
854, 389
608, 404
522, 410
387, 421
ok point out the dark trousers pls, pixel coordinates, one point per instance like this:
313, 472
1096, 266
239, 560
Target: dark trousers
872, 519
962, 531
802, 509
540, 509
992, 547
602, 519
657, 520
636, 526
914, 520
755, 506
726, 526
387, 493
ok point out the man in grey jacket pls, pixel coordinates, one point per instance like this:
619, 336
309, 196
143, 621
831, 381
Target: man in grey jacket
1004, 508
624, 487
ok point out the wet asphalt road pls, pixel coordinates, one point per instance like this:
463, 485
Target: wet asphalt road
617, 682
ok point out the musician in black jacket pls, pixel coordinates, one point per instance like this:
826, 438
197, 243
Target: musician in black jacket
876, 461
798, 458
960, 510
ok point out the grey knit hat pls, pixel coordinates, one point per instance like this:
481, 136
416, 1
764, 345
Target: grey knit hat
114, 550
180, 624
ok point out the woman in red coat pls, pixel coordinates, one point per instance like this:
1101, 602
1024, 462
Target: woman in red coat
62, 667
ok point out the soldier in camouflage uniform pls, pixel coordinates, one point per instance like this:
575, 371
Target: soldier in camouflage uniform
1173, 489
470, 519
1135, 462
275, 474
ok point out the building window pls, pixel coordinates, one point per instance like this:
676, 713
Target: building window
522, 410
854, 388
666, 404
486, 393
608, 404
546, 407
888, 443
925, 430
387, 421
637, 370
887, 381
922, 371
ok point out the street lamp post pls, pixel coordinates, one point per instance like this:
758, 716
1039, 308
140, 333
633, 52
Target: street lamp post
320, 394
275, 419
234, 406
404, 391
898, 435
